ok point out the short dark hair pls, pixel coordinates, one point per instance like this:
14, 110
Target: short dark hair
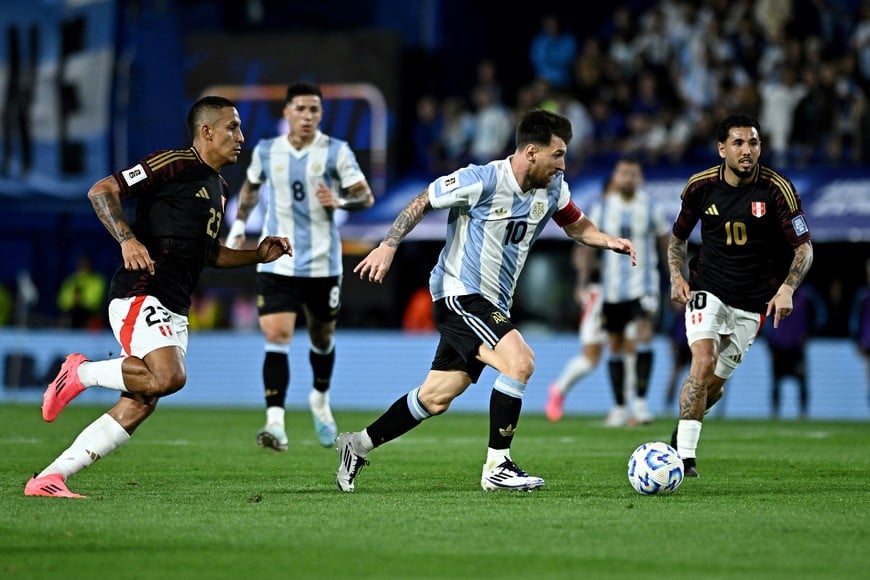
735, 120
538, 126
201, 107
302, 88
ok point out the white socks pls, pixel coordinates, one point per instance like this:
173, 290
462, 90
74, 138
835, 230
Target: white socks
103, 373
96, 441
496, 456
275, 416
577, 368
688, 433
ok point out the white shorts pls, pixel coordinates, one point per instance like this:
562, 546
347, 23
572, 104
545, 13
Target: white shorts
142, 324
733, 329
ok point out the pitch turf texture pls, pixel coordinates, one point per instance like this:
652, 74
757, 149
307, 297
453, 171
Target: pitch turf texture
191, 496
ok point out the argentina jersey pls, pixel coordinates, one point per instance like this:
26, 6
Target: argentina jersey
643, 222
491, 226
293, 209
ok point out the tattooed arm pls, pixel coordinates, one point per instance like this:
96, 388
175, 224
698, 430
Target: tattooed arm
677, 251
375, 266
781, 303
105, 197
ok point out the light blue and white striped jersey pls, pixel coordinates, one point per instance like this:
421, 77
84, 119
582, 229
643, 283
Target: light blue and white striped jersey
292, 207
491, 226
642, 221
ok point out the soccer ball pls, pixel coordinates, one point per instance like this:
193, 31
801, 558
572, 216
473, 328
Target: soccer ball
655, 468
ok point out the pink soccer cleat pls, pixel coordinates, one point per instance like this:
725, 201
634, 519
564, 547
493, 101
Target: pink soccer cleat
555, 405
65, 387
51, 485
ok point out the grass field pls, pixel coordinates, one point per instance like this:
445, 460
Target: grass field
191, 496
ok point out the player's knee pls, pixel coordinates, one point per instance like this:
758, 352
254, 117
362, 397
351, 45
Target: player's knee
438, 403
170, 382
521, 367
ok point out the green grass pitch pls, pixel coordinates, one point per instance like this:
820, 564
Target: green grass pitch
192, 496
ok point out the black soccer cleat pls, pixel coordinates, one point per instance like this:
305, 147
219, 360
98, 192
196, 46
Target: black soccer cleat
674, 436
689, 469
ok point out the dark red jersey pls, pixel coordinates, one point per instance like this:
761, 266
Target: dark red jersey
748, 235
180, 207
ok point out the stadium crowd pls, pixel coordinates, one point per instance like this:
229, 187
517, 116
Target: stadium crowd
655, 79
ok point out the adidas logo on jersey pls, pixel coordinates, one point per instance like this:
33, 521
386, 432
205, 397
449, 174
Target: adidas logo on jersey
712, 210
202, 193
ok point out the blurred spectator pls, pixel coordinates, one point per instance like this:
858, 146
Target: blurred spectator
493, 127
552, 53
779, 100
859, 324
788, 346
243, 311
424, 136
815, 114
417, 316
457, 130
7, 304
81, 295
206, 311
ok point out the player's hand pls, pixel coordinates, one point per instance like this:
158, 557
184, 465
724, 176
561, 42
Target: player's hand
781, 304
272, 248
236, 236
680, 292
375, 266
136, 256
623, 246
327, 198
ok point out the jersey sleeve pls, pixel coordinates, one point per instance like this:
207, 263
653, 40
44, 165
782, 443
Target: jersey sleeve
154, 170
462, 188
255, 173
348, 167
792, 218
688, 216
567, 211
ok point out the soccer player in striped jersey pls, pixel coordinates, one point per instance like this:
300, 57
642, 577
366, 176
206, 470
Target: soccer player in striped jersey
496, 212
755, 251
630, 296
180, 206
310, 176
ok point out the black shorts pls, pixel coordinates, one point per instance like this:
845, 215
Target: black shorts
319, 296
466, 322
617, 315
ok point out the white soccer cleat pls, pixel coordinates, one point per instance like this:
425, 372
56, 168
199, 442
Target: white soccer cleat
350, 462
324, 423
617, 417
508, 476
272, 437
641, 412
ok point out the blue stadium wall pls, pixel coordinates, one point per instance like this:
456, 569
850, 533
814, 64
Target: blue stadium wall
374, 368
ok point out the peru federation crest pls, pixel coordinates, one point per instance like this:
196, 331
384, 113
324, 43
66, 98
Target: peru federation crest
759, 208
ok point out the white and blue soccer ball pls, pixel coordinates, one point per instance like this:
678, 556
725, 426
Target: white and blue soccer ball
655, 468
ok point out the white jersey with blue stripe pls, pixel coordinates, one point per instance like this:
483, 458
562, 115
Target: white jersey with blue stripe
292, 207
491, 226
642, 221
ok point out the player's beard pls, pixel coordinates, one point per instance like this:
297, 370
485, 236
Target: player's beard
740, 173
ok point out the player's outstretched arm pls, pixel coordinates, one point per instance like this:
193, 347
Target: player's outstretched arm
375, 266
269, 250
588, 234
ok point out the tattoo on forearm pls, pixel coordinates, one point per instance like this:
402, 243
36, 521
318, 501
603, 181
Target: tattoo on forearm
408, 219
111, 214
800, 265
677, 251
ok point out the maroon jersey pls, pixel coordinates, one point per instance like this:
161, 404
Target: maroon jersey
748, 235
180, 207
